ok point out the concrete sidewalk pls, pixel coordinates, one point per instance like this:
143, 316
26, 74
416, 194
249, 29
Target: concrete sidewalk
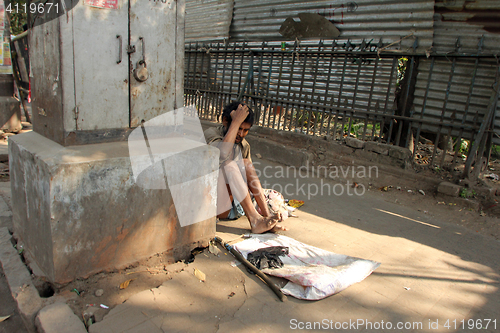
431, 274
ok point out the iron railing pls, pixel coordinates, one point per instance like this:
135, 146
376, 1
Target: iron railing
355, 88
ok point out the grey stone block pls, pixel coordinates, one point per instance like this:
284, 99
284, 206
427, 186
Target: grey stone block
329, 138
263, 130
367, 155
354, 143
449, 189
338, 148
485, 191
298, 138
276, 152
58, 318
378, 148
399, 153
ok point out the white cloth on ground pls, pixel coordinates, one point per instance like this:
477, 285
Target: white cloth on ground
313, 273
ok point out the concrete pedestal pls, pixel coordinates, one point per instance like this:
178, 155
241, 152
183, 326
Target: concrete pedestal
77, 210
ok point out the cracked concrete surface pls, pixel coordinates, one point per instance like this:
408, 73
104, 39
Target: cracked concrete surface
431, 271
184, 302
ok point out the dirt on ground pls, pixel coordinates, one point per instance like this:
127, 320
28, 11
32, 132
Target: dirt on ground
92, 298
476, 208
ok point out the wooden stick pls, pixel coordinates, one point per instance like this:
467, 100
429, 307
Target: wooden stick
254, 269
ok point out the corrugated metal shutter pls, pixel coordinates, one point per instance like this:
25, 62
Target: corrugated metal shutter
256, 20
208, 19
469, 21
463, 105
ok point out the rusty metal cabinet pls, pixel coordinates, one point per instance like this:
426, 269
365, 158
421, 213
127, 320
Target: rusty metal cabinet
84, 87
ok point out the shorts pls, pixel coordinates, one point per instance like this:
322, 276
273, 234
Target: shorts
236, 211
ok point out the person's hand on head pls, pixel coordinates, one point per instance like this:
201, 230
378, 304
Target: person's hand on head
239, 115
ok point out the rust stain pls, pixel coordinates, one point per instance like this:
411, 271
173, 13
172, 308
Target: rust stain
487, 19
122, 235
106, 257
103, 244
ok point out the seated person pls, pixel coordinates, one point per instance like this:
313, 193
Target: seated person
237, 175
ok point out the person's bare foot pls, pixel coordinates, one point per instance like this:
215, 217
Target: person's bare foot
263, 224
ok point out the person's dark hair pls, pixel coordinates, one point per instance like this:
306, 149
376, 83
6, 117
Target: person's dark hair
226, 113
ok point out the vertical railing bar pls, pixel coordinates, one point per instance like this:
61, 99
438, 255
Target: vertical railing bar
412, 110
445, 103
201, 85
216, 108
195, 83
290, 85
424, 104
394, 66
476, 115
489, 117
232, 72
344, 115
351, 120
356, 86
212, 83
208, 97
375, 121
188, 72
258, 86
398, 134
302, 83
189, 96
278, 87
223, 78
339, 101
443, 112
243, 46
405, 101
407, 96
467, 103
327, 88
269, 78
313, 90
377, 104
209, 54
370, 97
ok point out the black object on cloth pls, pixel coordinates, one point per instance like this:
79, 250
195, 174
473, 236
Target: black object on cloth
268, 257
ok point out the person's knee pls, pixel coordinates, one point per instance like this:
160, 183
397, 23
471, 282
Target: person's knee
230, 167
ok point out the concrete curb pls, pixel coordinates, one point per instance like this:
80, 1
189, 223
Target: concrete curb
58, 318
277, 146
277, 152
22, 289
262, 141
54, 318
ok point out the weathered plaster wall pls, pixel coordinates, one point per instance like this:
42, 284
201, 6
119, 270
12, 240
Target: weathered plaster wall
77, 210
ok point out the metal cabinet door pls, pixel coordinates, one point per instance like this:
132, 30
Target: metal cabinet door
101, 83
153, 31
